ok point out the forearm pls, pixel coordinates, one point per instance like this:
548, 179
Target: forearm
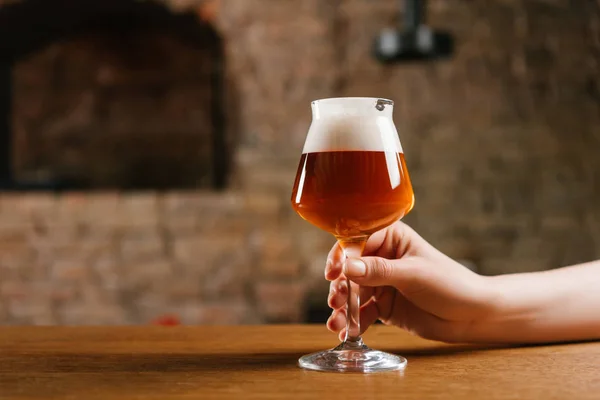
549, 306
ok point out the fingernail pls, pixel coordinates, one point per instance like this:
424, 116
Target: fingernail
330, 320
355, 267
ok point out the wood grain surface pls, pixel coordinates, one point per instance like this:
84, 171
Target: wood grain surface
259, 362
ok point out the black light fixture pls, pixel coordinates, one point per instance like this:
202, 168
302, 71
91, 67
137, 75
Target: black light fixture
416, 41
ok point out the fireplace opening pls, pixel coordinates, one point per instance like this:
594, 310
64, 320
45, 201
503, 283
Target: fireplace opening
110, 94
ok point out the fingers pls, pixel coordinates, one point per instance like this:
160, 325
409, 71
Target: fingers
369, 313
384, 243
335, 260
338, 293
378, 271
376, 241
337, 321
393, 242
396, 241
412, 319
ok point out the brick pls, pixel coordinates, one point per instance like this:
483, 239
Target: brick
226, 313
180, 212
263, 204
44, 317
143, 202
203, 212
5, 317
316, 266
281, 302
103, 210
227, 279
269, 177
276, 252
140, 210
15, 252
200, 200
221, 202
101, 233
65, 292
181, 287
82, 252
181, 224
69, 270
223, 225
204, 251
107, 269
275, 243
141, 275
31, 311
284, 268
39, 204
141, 248
147, 306
309, 239
15, 227
10, 271
13, 289
20, 216
188, 250
92, 294
72, 206
10, 204
104, 313
179, 202
56, 231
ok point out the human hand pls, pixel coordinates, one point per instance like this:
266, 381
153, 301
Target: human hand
408, 283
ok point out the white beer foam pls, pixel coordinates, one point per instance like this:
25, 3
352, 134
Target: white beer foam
352, 133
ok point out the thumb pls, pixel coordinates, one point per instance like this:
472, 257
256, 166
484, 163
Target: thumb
375, 271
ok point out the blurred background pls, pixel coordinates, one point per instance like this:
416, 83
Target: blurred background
148, 148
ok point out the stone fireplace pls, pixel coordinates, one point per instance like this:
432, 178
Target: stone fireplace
148, 148
112, 94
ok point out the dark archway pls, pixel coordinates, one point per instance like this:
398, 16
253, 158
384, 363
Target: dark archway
29, 26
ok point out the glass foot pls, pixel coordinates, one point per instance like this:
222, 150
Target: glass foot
352, 357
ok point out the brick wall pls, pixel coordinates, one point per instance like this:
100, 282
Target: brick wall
501, 142
127, 104
113, 258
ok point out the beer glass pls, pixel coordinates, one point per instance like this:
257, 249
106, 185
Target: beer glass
352, 181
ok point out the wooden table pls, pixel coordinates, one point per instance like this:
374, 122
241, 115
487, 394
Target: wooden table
260, 363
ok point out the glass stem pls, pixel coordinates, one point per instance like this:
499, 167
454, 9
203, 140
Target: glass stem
353, 248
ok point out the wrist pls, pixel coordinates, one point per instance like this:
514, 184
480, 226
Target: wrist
509, 312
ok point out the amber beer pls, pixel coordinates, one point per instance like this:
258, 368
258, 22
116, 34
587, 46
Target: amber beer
352, 193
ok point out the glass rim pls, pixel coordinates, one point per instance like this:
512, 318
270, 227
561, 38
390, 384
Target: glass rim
375, 99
